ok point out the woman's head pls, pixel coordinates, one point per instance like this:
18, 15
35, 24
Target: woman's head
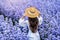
33, 23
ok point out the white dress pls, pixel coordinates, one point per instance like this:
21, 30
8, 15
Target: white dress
31, 35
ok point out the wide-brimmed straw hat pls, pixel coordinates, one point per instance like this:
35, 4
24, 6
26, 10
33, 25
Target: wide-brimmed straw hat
31, 12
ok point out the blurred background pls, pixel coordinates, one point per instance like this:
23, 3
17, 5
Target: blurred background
12, 10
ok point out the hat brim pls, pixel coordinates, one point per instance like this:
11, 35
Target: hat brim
29, 14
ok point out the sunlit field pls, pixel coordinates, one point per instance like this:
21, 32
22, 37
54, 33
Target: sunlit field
12, 10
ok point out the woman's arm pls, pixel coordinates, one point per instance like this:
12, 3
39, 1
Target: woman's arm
40, 20
22, 21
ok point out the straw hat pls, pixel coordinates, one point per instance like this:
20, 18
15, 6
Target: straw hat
31, 12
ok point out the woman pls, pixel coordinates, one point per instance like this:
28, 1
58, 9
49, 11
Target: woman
34, 19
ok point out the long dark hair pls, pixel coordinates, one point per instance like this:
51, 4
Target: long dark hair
33, 23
